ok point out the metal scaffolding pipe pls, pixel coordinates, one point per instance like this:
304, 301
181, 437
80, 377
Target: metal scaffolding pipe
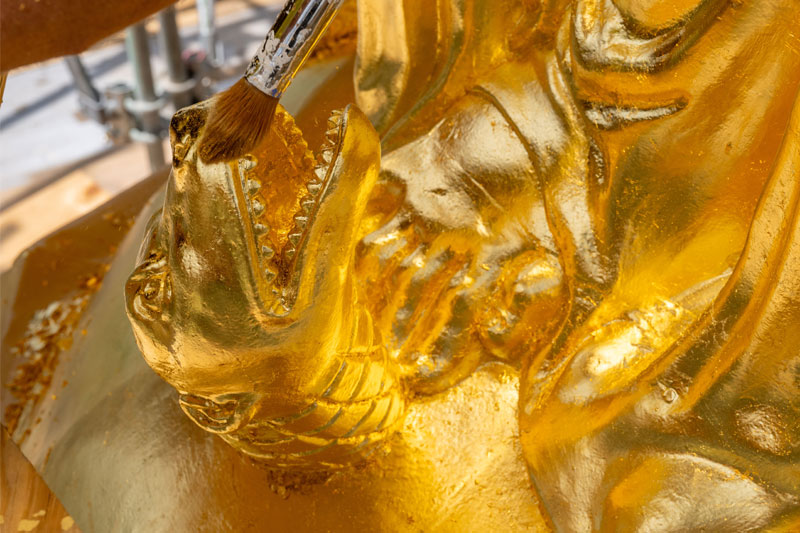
180, 86
89, 97
82, 81
207, 28
146, 106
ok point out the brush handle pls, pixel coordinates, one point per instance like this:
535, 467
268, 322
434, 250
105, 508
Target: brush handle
291, 39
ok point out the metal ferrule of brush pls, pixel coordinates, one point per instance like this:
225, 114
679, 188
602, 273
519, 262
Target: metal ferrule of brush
291, 39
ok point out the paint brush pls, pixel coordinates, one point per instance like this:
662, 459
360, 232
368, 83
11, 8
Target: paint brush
242, 114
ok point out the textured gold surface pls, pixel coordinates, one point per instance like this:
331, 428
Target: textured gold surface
240, 277
544, 274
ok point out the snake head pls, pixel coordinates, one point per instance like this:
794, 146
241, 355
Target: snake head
242, 289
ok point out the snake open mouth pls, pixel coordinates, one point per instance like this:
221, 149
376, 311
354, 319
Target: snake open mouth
246, 267
278, 212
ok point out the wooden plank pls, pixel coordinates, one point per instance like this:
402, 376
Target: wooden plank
27, 502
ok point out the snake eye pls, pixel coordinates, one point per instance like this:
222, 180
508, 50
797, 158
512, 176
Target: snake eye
149, 288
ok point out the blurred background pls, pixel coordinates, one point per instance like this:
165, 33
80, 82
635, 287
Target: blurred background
76, 130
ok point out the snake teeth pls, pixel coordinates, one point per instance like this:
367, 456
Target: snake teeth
294, 238
307, 205
247, 162
301, 221
314, 187
276, 263
278, 308
258, 207
332, 134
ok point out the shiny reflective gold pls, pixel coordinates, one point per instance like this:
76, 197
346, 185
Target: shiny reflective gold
544, 274
243, 299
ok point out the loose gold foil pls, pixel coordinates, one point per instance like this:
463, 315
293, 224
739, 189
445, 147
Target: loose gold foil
600, 193
542, 274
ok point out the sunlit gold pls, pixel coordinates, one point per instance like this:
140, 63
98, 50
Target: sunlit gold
581, 200
543, 273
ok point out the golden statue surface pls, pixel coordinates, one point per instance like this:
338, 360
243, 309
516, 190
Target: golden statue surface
510, 266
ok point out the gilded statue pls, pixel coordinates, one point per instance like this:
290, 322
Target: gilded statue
510, 266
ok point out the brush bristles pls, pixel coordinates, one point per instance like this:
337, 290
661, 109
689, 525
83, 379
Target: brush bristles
237, 123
